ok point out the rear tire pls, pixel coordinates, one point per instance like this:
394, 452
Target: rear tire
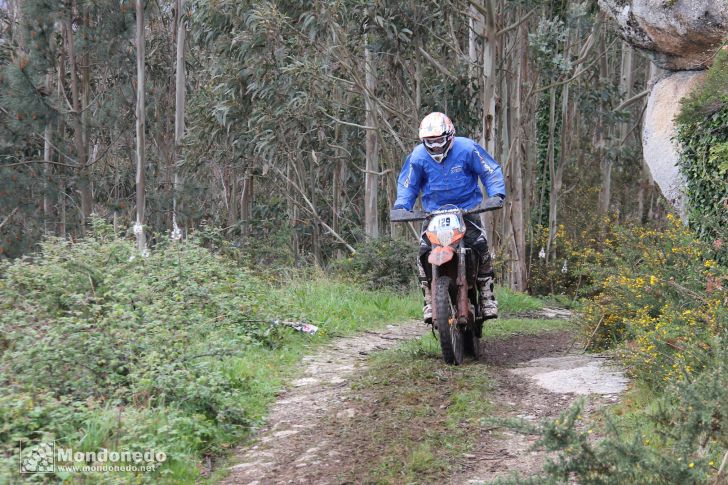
443, 311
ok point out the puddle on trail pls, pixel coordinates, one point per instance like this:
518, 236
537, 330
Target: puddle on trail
577, 374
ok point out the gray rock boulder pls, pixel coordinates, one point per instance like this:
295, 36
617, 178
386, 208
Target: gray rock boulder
659, 148
677, 34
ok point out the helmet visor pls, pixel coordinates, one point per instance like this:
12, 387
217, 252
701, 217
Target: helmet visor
435, 144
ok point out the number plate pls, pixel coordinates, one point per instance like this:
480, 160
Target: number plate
449, 221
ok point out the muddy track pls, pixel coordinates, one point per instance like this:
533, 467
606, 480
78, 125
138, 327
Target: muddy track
312, 432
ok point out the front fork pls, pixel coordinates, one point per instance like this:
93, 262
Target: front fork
433, 296
462, 281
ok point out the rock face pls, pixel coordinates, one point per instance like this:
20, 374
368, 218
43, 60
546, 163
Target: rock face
661, 152
677, 34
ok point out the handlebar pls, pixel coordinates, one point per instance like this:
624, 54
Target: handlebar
403, 215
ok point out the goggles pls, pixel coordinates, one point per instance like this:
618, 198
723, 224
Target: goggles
435, 144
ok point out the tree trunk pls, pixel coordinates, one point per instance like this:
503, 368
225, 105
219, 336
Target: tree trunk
519, 266
80, 144
489, 79
179, 114
371, 179
60, 130
47, 155
626, 80
233, 204
140, 140
246, 204
605, 193
551, 161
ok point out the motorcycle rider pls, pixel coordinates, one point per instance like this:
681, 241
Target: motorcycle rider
446, 169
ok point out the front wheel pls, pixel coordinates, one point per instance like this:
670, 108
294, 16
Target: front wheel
451, 335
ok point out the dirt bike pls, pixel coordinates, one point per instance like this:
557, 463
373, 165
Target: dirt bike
456, 314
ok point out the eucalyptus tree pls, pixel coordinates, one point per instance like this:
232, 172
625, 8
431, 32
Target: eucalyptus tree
140, 130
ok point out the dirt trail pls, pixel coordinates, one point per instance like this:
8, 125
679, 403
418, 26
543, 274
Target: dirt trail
290, 446
536, 378
303, 441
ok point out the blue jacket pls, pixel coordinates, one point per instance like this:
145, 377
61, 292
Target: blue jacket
454, 181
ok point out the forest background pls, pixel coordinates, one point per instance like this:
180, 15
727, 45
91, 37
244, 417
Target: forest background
286, 123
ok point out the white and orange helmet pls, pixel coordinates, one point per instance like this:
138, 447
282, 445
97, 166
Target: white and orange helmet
437, 134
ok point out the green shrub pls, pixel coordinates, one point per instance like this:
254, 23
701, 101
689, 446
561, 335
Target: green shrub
383, 263
87, 326
662, 293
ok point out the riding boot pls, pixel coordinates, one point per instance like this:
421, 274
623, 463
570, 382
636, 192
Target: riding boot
488, 303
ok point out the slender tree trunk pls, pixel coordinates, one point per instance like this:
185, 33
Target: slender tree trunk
292, 211
626, 79
246, 204
316, 229
140, 139
87, 201
489, 76
490, 62
558, 174
233, 205
551, 161
179, 114
605, 193
519, 266
371, 180
47, 156
81, 156
60, 130
646, 182
418, 81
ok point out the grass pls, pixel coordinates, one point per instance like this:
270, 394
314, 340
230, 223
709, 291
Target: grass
340, 308
175, 352
510, 301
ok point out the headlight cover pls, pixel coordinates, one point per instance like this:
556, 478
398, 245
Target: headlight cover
445, 235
